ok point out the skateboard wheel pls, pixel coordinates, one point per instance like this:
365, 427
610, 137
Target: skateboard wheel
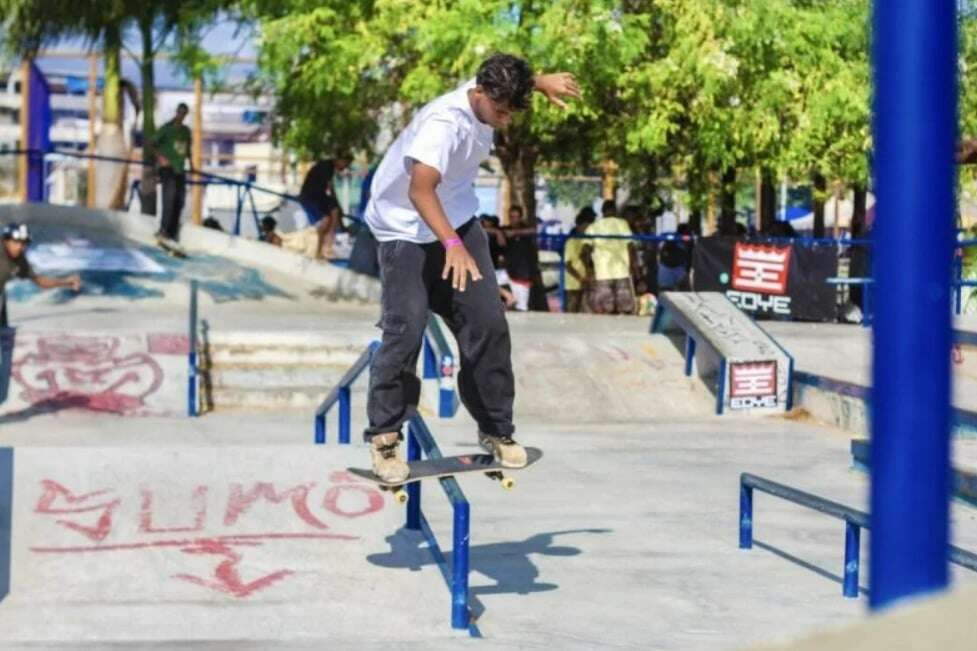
508, 483
400, 495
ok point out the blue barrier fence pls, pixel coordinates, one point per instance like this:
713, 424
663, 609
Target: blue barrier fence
854, 519
6, 516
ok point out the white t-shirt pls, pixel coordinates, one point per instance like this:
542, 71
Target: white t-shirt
446, 135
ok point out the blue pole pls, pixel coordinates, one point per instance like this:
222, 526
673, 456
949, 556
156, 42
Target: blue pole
6, 516
320, 428
915, 114
562, 243
721, 387
852, 548
344, 415
192, 356
430, 360
746, 517
459, 568
689, 354
413, 488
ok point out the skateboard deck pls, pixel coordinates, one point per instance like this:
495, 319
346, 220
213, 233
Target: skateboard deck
449, 466
171, 247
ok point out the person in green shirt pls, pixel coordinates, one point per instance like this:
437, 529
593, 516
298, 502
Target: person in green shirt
172, 143
14, 264
610, 263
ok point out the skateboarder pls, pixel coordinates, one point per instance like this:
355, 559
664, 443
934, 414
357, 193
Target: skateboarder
13, 263
434, 255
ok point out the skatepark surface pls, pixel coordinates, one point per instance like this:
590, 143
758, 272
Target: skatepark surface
233, 531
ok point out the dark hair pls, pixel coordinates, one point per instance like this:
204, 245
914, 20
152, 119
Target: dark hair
609, 207
506, 79
585, 216
631, 212
183, 105
268, 223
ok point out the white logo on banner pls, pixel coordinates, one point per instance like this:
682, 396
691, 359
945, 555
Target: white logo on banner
753, 379
761, 268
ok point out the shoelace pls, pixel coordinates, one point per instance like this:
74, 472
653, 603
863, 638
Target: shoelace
388, 451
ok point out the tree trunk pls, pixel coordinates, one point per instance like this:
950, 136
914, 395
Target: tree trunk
859, 202
519, 166
820, 190
147, 190
768, 200
112, 88
727, 203
110, 178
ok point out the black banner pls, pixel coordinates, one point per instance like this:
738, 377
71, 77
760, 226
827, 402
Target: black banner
777, 280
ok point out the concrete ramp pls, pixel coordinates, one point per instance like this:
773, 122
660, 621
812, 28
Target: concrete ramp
752, 371
150, 544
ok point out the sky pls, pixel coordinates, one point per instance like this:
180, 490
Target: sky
225, 37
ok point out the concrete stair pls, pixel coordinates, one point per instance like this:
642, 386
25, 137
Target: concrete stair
275, 370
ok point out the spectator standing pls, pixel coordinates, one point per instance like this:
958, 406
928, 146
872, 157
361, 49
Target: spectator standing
521, 256
575, 276
172, 144
611, 263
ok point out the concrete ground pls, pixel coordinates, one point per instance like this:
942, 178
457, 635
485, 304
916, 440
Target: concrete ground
233, 531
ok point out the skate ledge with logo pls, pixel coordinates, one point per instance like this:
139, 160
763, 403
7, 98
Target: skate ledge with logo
752, 371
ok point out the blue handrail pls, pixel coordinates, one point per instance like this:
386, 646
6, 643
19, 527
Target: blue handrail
341, 394
855, 520
421, 440
6, 516
192, 384
439, 363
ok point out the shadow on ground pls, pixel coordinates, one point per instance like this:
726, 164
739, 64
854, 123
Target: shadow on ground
507, 564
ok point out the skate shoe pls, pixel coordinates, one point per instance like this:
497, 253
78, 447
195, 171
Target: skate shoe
387, 464
506, 451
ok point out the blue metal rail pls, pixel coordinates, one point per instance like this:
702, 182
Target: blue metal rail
854, 519
420, 440
341, 394
439, 364
193, 402
6, 516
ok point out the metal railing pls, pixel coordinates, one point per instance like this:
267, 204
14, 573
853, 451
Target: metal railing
6, 516
419, 441
854, 519
439, 364
193, 403
341, 394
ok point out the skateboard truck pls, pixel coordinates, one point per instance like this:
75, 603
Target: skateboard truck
508, 483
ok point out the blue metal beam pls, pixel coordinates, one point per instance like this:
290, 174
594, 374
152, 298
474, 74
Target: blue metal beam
914, 122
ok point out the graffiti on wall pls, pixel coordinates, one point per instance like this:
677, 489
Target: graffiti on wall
90, 372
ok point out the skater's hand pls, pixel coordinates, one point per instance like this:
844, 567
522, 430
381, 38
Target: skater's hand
558, 86
458, 263
73, 282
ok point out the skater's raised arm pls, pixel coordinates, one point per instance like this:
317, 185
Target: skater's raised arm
458, 263
557, 86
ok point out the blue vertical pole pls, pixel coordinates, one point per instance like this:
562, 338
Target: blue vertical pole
344, 415
915, 67
562, 244
689, 354
6, 516
459, 568
852, 549
413, 488
746, 516
320, 428
192, 356
430, 360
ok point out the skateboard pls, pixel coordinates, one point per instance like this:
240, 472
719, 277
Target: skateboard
171, 247
448, 466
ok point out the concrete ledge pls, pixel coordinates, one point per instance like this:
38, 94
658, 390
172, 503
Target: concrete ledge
845, 405
945, 622
339, 283
964, 481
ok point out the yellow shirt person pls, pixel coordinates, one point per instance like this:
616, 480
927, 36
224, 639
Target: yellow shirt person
611, 257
